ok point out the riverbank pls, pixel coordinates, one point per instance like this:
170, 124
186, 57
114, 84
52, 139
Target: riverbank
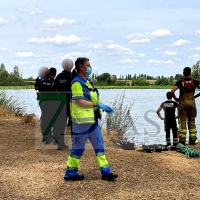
99, 87
31, 170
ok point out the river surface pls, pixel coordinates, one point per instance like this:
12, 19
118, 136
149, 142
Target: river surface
148, 128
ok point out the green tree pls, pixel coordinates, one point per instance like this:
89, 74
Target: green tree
140, 81
196, 70
30, 79
162, 81
171, 80
16, 72
3, 72
178, 76
105, 78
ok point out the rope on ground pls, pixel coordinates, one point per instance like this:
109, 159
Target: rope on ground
189, 152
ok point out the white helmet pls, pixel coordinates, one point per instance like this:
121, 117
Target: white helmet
67, 64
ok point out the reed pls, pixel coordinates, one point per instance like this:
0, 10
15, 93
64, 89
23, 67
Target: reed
121, 121
11, 105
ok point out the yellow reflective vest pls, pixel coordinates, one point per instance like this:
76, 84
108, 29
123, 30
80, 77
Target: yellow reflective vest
79, 114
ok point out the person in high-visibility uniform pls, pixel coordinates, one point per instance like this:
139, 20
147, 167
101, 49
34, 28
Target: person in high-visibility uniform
169, 108
187, 106
85, 112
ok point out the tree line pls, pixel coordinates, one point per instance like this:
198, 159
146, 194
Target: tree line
15, 78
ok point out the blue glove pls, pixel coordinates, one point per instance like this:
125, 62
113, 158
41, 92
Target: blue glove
105, 108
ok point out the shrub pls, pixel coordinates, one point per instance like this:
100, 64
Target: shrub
29, 119
11, 105
121, 121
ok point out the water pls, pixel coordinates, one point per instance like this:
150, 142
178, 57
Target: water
148, 128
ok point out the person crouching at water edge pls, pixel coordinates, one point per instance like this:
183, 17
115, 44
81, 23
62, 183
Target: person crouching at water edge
85, 112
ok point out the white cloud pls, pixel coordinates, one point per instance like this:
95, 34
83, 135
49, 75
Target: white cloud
108, 41
137, 35
170, 53
3, 21
19, 63
158, 49
141, 55
53, 24
74, 55
3, 48
196, 48
168, 62
117, 47
198, 32
57, 39
96, 46
9, 19
161, 33
196, 56
129, 61
23, 54
181, 42
31, 11
13, 17
153, 61
139, 41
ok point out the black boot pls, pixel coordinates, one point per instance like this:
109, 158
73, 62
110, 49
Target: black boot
173, 148
78, 177
192, 142
182, 142
44, 139
110, 177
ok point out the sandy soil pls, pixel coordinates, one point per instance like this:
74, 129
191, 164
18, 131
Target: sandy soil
32, 170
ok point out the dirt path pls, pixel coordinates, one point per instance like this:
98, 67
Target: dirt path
31, 170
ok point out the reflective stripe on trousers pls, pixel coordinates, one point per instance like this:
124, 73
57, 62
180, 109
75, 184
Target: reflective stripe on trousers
82, 132
187, 114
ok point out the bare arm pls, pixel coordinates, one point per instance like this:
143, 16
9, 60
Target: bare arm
197, 95
158, 113
173, 93
176, 117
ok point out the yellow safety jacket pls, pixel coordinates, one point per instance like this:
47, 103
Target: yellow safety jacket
79, 114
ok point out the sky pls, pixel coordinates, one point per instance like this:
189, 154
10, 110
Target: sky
153, 37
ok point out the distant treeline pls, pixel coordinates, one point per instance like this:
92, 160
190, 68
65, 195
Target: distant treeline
15, 78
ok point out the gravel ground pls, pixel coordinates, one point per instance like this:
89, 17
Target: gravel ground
31, 170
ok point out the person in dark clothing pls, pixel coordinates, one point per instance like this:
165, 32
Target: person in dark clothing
47, 82
62, 85
187, 106
41, 74
169, 108
46, 89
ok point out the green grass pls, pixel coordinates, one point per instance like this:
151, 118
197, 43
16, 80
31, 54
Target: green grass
135, 87
11, 105
16, 87
99, 87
